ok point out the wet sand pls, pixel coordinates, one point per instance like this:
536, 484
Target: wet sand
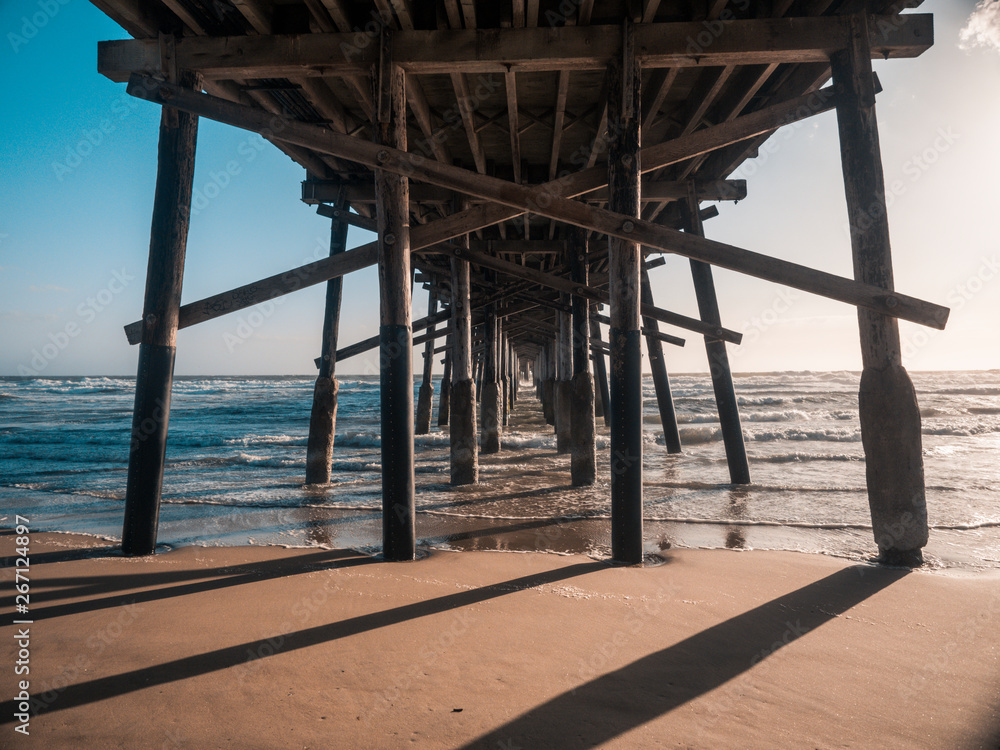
265, 647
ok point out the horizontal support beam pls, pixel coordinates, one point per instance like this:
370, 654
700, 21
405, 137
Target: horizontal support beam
546, 202
356, 220
499, 51
278, 285
329, 191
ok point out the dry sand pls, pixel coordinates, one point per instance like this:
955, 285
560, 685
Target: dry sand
264, 647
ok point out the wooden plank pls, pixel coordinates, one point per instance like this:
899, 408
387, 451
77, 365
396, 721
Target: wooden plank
562, 91
510, 83
472, 51
468, 111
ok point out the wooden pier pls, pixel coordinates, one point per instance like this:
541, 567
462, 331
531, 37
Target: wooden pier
526, 161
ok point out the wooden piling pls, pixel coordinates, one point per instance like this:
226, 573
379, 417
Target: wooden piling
718, 359
463, 438
602, 399
491, 406
161, 305
323, 418
658, 367
444, 399
396, 336
563, 398
624, 258
890, 415
583, 431
425, 399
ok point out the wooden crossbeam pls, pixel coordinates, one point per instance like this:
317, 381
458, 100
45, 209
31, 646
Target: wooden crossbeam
327, 191
546, 202
476, 51
703, 141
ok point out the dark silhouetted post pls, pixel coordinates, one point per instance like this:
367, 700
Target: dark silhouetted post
323, 419
425, 398
444, 399
624, 105
583, 459
661, 381
396, 336
718, 359
890, 416
164, 277
464, 442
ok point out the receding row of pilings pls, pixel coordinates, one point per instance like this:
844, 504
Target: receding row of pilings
890, 419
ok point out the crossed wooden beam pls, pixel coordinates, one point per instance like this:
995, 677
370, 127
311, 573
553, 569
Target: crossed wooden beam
509, 200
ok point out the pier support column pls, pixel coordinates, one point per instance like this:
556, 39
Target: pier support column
549, 384
563, 401
444, 400
890, 416
624, 258
661, 381
425, 399
396, 336
492, 407
583, 459
323, 419
718, 359
602, 400
164, 277
464, 443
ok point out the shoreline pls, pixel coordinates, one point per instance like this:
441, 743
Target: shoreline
321, 648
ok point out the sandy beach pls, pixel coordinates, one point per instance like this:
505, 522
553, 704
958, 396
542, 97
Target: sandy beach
266, 647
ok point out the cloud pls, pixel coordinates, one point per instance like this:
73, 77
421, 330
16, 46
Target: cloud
47, 288
983, 27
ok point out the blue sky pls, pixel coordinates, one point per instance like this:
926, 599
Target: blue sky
78, 166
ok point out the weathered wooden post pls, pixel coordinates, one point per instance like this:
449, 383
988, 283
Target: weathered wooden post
395, 334
425, 399
624, 258
463, 438
658, 366
602, 400
563, 400
583, 459
549, 384
444, 399
323, 419
491, 406
890, 416
718, 359
505, 376
164, 277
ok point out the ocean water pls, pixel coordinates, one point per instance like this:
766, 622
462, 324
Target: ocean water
236, 466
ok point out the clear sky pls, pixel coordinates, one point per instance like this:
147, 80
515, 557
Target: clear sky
78, 162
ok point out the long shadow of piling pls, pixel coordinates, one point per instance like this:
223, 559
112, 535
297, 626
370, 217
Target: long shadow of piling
84, 693
617, 702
